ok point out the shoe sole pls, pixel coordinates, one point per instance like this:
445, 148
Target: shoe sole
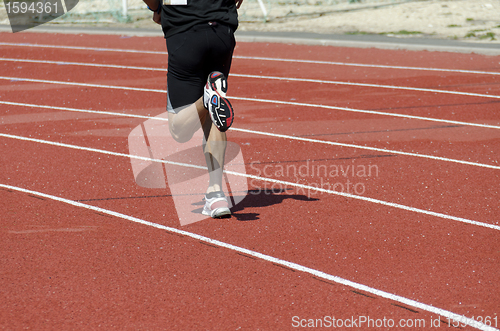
219, 102
216, 114
218, 213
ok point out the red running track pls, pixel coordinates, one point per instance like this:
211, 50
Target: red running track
380, 124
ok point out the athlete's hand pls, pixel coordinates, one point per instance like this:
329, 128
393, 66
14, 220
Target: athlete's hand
157, 18
238, 3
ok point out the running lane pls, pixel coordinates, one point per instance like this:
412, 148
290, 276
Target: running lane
133, 275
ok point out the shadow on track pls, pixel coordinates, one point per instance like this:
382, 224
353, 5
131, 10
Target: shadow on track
258, 198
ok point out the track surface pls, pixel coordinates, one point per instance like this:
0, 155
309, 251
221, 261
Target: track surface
411, 140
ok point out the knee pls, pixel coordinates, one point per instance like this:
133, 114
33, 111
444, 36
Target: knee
179, 135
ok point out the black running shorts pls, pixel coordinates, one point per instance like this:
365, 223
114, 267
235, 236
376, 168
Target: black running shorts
192, 56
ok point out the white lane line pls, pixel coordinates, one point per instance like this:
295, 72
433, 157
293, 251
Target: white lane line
44, 81
373, 112
271, 180
138, 89
275, 135
392, 87
317, 273
326, 142
82, 64
380, 66
82, 48
99, 112
257, 58
289, 79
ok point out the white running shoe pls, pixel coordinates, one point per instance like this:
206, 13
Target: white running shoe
216, 205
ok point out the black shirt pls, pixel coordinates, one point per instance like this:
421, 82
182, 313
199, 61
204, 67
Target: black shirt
180, 18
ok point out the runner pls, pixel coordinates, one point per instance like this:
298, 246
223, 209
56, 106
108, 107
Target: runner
200, 44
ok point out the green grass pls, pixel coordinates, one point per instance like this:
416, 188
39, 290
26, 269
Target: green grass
408, 32
490, 35
402, 33
357, 33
